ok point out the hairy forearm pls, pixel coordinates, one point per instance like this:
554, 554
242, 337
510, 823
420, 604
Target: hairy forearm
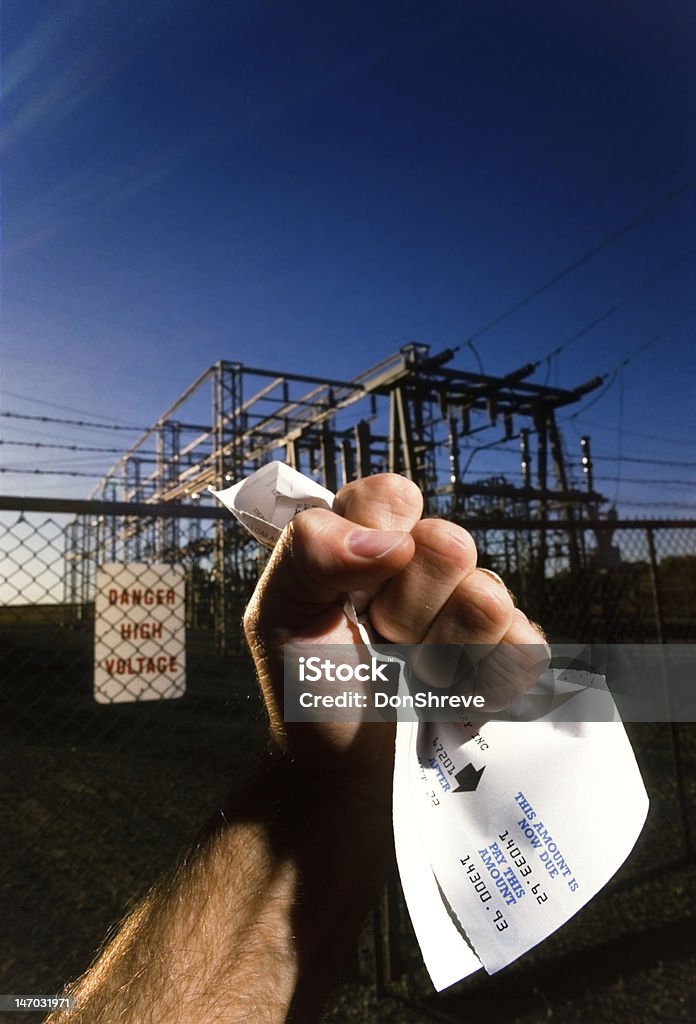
255, 923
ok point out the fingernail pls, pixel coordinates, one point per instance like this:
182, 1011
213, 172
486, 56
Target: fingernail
493, 575
372, 543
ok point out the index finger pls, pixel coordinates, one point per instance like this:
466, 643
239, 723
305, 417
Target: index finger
385, 501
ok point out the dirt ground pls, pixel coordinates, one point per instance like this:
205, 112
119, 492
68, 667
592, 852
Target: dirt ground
98, 801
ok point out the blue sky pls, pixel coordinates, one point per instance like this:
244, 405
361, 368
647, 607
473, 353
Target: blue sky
312, 185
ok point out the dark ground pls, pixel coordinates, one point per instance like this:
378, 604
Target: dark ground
98, 801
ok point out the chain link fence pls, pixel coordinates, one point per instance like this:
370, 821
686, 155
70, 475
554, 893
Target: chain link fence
128, 704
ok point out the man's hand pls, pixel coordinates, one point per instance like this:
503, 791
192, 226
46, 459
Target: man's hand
417, 580
255, 924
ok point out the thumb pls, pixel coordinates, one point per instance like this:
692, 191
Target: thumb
319, 558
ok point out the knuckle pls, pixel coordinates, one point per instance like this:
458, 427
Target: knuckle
394, 628
530, 659
511, 670
439, 539
487, 607
528, 635
386, 500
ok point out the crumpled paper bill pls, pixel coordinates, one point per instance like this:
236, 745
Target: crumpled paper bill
267, 500
503, 830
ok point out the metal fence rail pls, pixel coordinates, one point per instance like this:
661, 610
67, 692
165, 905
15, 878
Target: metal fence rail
76, 847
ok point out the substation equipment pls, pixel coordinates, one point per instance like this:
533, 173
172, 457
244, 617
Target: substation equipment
412, 413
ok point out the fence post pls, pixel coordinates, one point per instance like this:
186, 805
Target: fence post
673, 731
654, 582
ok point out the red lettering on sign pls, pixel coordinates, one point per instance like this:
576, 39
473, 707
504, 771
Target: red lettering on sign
141, 665
137, 596
141, 630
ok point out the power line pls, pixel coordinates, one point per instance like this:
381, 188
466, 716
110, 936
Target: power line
656, 504
593, 401
609, 240
645, 480
649, 481
672, 463
477, 355
642, 287
55, 405
620, 439
613, 373
637, 433
686, 315
639, 459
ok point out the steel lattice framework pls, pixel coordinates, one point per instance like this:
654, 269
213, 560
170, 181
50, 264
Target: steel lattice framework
412, 413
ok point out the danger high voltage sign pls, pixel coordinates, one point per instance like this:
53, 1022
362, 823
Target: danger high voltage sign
139, 633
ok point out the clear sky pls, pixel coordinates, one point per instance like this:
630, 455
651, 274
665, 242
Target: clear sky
312, 185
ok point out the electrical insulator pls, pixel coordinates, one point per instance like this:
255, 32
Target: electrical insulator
453, 450
524, 458
586, 460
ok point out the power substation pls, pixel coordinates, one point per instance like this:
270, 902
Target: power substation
412, 413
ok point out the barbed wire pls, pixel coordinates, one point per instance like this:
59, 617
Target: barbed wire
63, 447
51, 472
74, 423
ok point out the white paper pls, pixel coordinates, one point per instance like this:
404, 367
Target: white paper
268, 499
502, 832
554, 813
445, 951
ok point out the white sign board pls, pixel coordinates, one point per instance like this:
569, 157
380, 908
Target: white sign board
139, 633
